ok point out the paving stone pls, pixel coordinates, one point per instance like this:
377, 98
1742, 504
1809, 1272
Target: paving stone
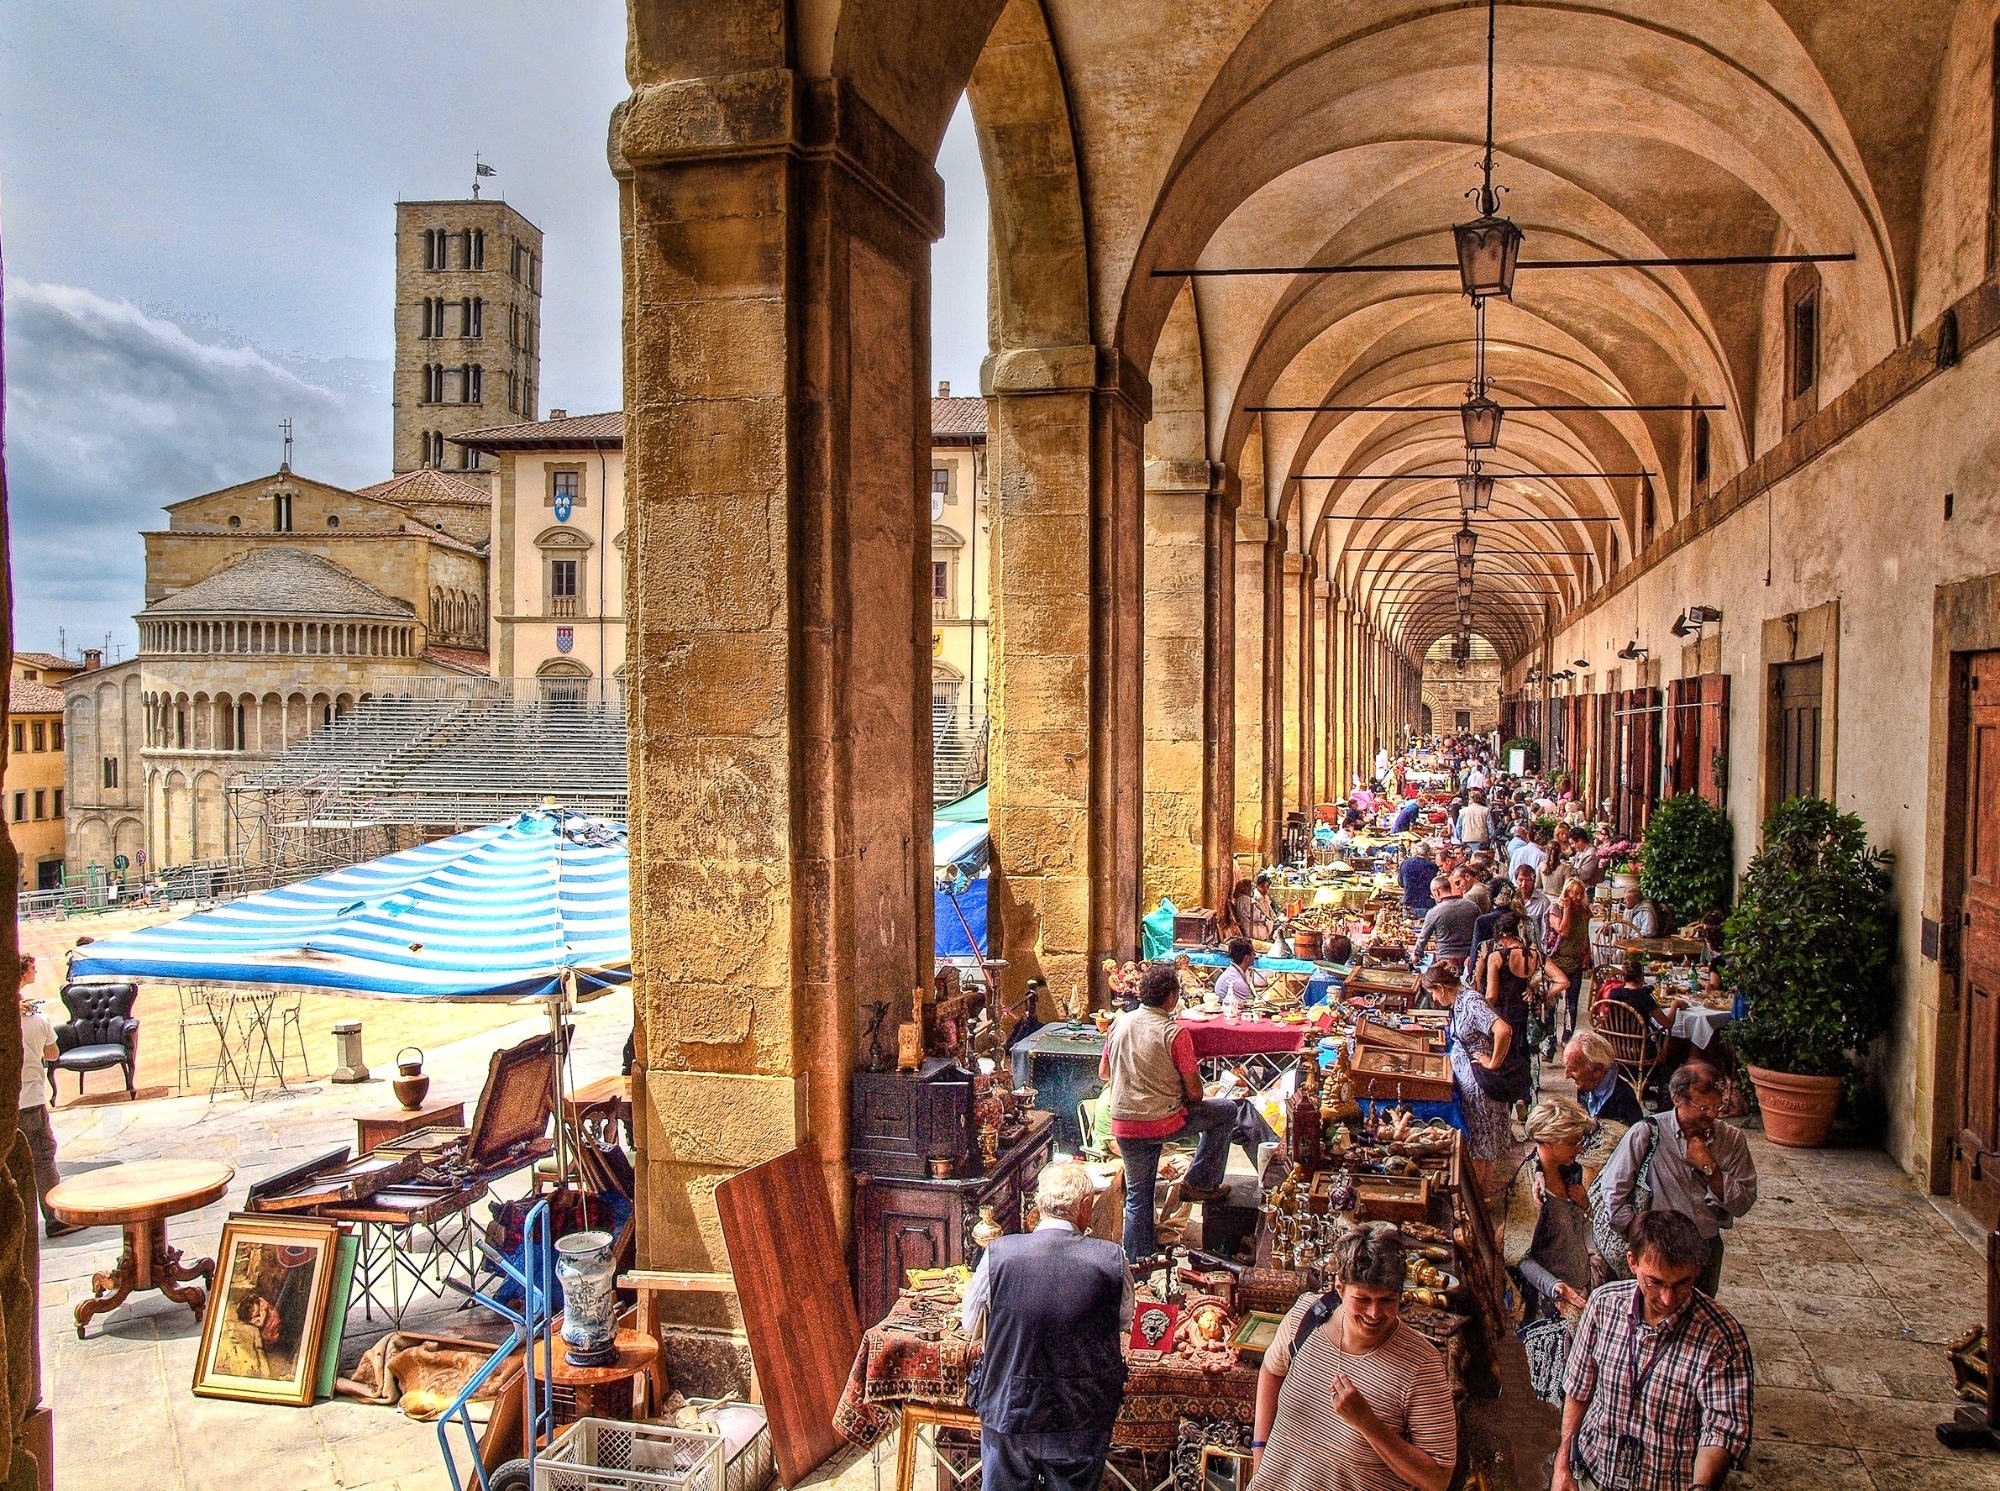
1864, 1314
1778, 1466
1892, 1424
1795, 1416
1958, 1470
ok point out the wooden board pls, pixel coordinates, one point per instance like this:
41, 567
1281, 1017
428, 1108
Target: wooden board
791, 1282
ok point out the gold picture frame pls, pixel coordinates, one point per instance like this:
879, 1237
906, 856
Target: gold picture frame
262, 1336
1257, 1334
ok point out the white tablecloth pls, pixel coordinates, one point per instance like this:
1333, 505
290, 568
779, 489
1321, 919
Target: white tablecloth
1699, 1026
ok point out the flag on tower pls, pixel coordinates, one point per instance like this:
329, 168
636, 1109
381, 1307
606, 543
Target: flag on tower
481, 168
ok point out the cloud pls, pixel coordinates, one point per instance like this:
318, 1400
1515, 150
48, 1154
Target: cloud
113, 412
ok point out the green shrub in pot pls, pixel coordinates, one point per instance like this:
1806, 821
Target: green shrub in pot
1688, 857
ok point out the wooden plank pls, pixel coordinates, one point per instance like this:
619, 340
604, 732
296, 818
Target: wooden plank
676, 1283
791, 1283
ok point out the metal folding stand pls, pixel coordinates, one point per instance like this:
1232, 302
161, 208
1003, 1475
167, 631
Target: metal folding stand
391, 1274
534, 1321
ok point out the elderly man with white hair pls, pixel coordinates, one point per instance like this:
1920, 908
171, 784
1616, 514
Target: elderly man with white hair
1054, 1306
1590, 1063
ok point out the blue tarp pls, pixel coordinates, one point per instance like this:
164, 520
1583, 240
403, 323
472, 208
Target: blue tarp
959, 852
495, 913
971, 904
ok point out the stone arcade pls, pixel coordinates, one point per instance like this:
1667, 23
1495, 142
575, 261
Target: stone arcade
1200, 621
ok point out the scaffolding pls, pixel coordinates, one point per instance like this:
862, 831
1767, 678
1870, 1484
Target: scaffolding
400, 769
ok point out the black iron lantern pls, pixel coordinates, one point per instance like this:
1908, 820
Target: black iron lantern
1465, 543
1489, 248
1481, 417
1475, 492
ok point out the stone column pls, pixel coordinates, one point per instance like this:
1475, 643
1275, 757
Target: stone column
776, 236
1294, 696
1176, 676
1252, 541
1330, 784
1218, 751
1274, 689
1065, 759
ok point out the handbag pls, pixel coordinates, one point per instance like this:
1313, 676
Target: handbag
1610, 1244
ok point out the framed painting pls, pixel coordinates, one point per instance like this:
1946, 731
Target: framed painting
262, 1337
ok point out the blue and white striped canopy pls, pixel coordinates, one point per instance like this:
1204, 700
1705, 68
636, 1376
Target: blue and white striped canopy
496, 913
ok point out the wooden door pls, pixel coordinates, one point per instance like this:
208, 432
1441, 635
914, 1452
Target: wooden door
1796, 689
1682, 736
1976, 1173
1712, 767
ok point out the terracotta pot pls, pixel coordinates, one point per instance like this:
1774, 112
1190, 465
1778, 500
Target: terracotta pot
1798, 1111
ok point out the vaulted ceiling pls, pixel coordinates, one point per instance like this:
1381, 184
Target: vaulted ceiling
1135, 137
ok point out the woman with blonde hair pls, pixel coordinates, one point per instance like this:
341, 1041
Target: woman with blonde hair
1547, 1238
1569, 945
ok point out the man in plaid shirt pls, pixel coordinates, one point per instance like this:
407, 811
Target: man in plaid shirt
1659, 1375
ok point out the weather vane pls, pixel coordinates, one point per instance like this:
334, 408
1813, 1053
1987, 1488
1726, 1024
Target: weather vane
479, 169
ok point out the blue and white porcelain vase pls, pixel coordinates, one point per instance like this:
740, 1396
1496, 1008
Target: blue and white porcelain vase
587, 1273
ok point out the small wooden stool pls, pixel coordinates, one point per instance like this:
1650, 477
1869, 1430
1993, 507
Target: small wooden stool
915, 1416
601, 1392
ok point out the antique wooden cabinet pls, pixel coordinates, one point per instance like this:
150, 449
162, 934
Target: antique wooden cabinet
903, 1222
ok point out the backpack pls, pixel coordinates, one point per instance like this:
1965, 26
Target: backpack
1610, 1244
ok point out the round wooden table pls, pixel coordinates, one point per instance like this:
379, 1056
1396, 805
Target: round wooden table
140, 1197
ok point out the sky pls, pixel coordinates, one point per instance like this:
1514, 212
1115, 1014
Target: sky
197, 214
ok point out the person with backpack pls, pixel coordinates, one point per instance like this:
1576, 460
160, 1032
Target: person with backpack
1489, 1058
1684, 1161
1349, 1397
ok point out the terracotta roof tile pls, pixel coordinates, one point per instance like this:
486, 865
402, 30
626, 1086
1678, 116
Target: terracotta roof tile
548, 434
33, 698
427, 485
460, 657
959, 417
283, 582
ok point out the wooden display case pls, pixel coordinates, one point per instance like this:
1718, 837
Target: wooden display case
1402, 1076
906, 1222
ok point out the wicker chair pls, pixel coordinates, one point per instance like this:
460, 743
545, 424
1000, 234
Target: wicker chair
1631, 1041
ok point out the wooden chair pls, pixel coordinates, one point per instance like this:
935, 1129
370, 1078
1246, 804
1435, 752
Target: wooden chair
1630, 1040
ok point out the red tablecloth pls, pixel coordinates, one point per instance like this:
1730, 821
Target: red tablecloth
1218, 1037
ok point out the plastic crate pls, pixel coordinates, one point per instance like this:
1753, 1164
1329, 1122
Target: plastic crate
752, 1466
595, 1454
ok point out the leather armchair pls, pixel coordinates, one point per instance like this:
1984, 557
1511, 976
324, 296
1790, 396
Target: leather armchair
101, 1032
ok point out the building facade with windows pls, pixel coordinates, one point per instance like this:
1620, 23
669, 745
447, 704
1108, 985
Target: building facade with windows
558, 550
34, 786
272, 607
960, 565
468, 326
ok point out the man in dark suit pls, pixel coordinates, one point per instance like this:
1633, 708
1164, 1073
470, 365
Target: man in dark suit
1054, 1306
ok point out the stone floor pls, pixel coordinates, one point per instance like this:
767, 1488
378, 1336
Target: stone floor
124, 1413
1848, 1281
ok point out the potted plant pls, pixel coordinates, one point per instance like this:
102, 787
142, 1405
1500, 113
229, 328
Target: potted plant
1688, 858
1810, 946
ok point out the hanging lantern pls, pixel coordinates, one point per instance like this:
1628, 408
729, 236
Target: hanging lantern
1489, 248
1481, 417
1475, 492
1465, 543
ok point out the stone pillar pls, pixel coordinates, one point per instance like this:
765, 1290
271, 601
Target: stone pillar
1294, 695
776, 237
1065, 759
1274, 688
1331, 784
1252, 541
1218, 751
1176, 633
1308, 691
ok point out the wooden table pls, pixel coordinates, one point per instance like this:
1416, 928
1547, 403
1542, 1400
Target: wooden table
371, 1129
600, 1392
613, 1089
140, 1197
